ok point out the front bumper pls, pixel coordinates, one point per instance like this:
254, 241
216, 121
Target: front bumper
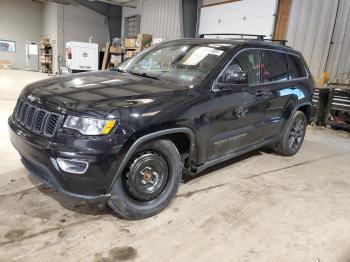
39, 156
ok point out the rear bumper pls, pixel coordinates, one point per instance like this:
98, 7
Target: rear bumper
39, 156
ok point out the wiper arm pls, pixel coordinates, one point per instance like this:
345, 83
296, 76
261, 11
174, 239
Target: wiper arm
118, 70
144, 75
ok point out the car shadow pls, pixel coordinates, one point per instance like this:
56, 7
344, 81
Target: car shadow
97, 208
189, 177
91, 208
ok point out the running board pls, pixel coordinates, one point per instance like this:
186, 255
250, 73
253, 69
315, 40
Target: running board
198, 169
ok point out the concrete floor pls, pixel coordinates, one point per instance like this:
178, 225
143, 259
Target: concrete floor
259, 207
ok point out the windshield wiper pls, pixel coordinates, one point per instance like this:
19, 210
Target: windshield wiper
144, 75
118, 70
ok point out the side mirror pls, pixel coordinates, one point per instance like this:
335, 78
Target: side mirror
234, 76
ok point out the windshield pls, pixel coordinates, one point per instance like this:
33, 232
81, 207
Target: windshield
176, 62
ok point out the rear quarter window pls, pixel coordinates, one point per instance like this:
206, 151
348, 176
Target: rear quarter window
273, 66
296, 67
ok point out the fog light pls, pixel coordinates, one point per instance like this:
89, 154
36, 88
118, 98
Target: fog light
72, 166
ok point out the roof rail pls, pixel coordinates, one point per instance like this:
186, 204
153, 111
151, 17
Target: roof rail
280, 41
258, 37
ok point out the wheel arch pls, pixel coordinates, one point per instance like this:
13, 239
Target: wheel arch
167, 133
303, 107
306, 109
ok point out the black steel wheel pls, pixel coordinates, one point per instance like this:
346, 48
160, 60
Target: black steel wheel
293, 136
149, 182
147, 176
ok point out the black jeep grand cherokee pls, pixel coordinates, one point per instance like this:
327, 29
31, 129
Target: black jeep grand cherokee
126, 135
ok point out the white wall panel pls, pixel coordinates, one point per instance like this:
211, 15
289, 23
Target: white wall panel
80, 22
243, 17
20, 20
50, 29
161, 18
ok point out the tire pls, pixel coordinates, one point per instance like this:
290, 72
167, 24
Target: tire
149, 182
293, 136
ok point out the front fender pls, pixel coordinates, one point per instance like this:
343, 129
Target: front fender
133, 148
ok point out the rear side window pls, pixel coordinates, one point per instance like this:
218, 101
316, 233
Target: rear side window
296, 67
273, 66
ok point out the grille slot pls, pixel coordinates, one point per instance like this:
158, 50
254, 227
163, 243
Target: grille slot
23, 113
30, 116
37, 120
51, 124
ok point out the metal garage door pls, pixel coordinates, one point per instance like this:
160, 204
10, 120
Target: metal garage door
243, 17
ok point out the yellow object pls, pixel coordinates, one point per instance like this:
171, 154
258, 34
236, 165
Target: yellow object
325, 76
108, 127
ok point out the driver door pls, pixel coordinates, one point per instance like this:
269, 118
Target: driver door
237, 112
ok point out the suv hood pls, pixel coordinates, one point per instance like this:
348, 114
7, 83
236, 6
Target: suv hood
98, 93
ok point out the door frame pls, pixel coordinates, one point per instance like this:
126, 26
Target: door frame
29, 42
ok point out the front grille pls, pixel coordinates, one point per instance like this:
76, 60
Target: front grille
36, 119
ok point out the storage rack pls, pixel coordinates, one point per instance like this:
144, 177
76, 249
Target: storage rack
338, 108
110, 51
46, 59
319, 105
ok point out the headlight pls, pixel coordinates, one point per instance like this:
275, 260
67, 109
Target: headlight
89, 126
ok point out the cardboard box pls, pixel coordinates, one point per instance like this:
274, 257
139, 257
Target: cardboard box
126, 42
130, 42
129, 53
5, 65
45, 42
116, 50
143, 40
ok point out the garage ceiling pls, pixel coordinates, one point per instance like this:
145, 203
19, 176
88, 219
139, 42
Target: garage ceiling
130, 3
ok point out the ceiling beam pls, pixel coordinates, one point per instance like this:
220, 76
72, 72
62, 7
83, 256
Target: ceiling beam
127, 3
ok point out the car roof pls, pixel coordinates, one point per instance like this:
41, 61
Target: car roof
276, 45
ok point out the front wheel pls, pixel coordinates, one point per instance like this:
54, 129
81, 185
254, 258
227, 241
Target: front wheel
293, 136
149, 182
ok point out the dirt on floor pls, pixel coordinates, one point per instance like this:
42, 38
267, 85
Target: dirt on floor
257, 207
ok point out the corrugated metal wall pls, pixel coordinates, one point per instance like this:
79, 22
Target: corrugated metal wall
161, 18
339, 57
310, 30
320, 29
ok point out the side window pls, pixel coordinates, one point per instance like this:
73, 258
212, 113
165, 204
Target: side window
296, 67
273, 66
246, 66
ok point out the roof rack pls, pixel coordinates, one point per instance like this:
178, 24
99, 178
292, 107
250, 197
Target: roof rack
258, 37
280, 41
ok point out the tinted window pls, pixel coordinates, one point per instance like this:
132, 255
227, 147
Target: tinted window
273, 66
296, 67
177, 62
249, 62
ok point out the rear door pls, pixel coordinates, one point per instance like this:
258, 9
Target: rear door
282, 93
